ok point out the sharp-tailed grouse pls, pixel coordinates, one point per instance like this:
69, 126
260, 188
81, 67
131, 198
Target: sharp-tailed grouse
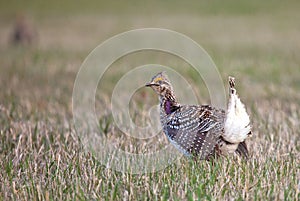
202, 131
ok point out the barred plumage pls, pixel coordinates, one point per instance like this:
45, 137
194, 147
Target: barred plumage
200, 130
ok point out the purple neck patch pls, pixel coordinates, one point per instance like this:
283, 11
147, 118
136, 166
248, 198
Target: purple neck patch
168, 107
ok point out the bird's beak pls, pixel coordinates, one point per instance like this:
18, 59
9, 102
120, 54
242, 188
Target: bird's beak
151, 84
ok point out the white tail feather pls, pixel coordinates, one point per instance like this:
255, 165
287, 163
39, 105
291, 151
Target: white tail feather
237, 123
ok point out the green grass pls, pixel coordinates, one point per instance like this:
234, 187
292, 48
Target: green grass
40, 154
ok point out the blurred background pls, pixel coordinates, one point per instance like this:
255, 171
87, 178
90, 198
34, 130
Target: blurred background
43, 44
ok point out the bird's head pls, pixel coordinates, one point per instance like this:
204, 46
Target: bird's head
160, 84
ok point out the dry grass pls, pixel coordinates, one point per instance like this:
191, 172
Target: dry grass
41, 157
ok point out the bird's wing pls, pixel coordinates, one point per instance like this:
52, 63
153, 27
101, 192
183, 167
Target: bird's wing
194, 130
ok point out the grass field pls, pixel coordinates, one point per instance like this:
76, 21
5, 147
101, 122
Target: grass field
41, 157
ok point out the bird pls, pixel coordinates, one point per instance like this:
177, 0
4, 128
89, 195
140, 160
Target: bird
202, 131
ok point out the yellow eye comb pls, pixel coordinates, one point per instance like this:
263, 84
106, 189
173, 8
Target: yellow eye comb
158, 79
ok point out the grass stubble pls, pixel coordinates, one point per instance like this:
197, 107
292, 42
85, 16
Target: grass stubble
40, 154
